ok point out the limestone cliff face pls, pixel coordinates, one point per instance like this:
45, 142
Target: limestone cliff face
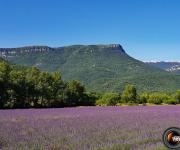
117, 46
9, 52
112, 47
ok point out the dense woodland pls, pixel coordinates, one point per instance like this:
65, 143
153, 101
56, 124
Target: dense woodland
22, 87
30, 87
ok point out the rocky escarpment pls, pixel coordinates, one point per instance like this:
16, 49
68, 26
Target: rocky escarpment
110, 47
7, 52
10, 52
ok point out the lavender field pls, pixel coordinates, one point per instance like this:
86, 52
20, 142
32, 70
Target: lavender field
87, 128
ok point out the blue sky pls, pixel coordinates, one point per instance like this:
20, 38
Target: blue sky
147, 29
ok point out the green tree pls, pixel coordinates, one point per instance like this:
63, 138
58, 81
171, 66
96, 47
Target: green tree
74, 93
143, 98
58, 87
32, 78
177, 96
129, 95
44, 89
109, 99
19, 90
90, 98
170, 101
4, 82
51, 88
158, 98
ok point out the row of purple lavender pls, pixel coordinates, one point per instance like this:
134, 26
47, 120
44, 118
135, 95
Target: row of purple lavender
87, 128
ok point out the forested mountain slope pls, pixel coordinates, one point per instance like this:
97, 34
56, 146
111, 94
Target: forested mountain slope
100, 67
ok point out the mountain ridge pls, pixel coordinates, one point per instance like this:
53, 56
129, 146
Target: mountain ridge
100, 67
41, 48
173, 67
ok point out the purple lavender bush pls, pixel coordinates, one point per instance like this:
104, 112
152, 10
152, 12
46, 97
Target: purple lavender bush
87, 128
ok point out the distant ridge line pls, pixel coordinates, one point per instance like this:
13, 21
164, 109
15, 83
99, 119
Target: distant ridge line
37, 48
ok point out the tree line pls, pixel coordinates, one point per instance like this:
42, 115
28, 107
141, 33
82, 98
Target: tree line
131, 97
31, 87
22, 87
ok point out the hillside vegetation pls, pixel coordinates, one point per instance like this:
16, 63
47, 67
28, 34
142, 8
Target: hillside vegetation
26, 87
102, 68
